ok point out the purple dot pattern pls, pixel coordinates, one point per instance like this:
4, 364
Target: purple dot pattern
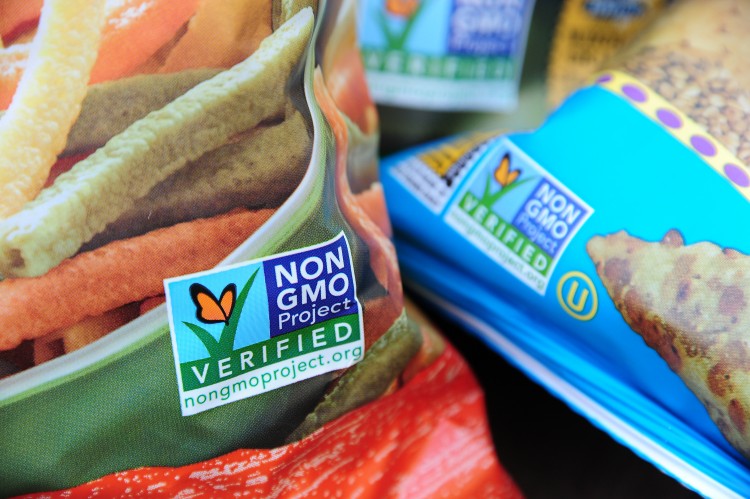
703, 145
736, 175
634, 93
669, 118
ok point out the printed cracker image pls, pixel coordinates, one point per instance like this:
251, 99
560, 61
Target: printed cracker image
691, 304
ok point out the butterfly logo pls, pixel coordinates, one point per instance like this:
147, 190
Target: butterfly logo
209, 309
506, 178
503, 174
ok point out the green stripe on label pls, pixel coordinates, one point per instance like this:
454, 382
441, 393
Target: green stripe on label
321, 336
446, 67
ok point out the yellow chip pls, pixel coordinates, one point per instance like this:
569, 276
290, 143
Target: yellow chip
34, 129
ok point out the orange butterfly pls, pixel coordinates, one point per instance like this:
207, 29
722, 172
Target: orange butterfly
209, 309
503, 174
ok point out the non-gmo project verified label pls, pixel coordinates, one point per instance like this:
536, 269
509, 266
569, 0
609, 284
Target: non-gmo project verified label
247, 329
517, 214
444, 54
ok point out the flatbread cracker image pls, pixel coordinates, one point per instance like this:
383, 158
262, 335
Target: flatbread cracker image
690, 304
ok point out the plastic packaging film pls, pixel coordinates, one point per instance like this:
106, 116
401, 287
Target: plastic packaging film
197, 273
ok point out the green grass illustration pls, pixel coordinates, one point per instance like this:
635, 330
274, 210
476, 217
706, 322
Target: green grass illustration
489, 198
396, 41
225, 344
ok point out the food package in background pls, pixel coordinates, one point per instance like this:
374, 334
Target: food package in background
428, 436
602, 253
194, 245
587, 34
700, 67
444, 55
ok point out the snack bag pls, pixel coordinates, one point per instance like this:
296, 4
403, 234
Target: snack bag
449, 55
587, 34
428, 438
602, 254
193, 243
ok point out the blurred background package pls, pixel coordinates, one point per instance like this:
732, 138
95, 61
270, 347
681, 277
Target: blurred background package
589, 251
426, 60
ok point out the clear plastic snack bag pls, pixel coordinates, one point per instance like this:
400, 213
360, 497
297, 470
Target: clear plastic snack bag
195, 254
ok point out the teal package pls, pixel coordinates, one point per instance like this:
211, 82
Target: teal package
498, 230
459, 55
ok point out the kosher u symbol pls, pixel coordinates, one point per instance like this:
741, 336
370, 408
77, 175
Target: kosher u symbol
577, 295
